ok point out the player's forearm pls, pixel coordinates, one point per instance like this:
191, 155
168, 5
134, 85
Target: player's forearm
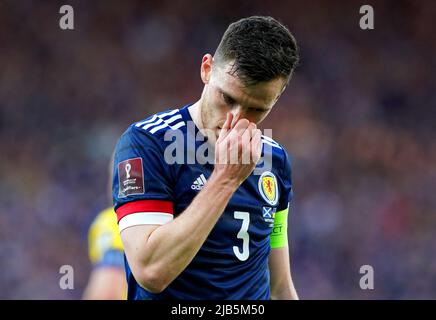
171, 247
282, 285
285, 292
283, 288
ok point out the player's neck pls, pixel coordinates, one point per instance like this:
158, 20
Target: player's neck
195, 113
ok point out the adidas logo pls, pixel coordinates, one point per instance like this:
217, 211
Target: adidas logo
199, 183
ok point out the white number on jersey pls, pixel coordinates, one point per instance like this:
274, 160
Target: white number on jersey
243, 234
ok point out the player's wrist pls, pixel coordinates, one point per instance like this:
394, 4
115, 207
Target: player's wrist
223, 181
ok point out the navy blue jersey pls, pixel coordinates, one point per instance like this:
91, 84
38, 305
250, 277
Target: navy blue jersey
160, 165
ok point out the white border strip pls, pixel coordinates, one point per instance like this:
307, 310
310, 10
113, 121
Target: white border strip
141, 218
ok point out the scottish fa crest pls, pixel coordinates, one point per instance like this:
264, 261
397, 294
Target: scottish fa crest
268, 188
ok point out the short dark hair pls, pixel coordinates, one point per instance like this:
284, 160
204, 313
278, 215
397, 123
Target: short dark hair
261, 47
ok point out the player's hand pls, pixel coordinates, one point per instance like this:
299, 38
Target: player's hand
237, 149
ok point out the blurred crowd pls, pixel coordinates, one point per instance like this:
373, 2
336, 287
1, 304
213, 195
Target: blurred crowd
358, 120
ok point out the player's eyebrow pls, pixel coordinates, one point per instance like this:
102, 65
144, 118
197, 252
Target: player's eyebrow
222, 91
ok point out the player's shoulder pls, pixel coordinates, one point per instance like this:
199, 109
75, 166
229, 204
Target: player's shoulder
276, 158
158, 124
274, 148
149, 133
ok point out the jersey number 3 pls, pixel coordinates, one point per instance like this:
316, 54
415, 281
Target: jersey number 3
243, 234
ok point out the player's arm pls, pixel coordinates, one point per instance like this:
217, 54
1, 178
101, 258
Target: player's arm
158, 254
281, 284
106, 283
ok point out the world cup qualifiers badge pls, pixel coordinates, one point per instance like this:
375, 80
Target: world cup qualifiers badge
130, 177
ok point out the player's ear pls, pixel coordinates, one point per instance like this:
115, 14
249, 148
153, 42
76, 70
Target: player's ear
206, 68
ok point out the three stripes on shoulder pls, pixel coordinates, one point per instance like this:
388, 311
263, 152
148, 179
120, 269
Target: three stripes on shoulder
171, 119
271, 142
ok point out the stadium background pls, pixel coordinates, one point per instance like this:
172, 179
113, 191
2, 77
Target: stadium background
358, 120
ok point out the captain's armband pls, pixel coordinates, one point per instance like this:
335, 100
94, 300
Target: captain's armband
279, 234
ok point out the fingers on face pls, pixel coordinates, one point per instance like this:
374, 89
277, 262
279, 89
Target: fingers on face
248, 133
226, 126
256, 144
241, 125
250, 143
238, 130
229, 118
234, 121
244, 134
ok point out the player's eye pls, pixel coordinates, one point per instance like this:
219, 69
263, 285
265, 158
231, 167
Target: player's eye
258, 110
230, 101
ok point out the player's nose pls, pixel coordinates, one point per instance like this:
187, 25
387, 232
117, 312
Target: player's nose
242, 113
